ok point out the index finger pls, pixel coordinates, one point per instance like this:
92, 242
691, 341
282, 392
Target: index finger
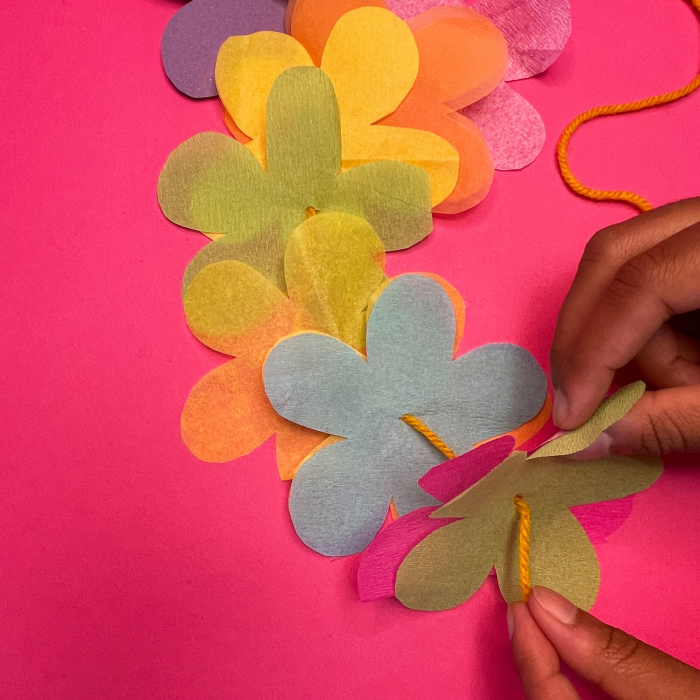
645, 293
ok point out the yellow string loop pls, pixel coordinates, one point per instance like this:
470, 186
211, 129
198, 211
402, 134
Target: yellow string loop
563, 146
424, 430
523, 511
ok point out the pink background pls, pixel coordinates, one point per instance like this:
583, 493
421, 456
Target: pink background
128, 569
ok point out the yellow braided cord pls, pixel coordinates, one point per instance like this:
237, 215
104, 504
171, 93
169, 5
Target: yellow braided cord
562, 147
523, 511
424, 430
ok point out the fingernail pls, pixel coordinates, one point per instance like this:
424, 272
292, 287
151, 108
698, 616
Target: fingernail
560, 409
556, 605
600, 447
510, 621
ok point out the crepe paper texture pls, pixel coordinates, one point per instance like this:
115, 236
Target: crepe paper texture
462, 57
451, 563
334, 263
193, 37
376, 576
213, 184
340, 495
609, 412
536, 30
372, 60
510, 125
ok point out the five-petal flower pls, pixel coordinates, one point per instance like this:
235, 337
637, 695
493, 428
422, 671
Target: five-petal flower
451, 563
341, 493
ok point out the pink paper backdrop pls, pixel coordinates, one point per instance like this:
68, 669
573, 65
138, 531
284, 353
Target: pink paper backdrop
128, 569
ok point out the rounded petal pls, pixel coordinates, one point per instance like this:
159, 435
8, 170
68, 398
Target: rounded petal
227, 414
317, 381
411, 326
192, 38
232, 308
246, 69
376, 576
463, 56
210, 183
536, 32
449, 565
333, 265
487, 392
372, 59
561, 557
335, 508
511, 126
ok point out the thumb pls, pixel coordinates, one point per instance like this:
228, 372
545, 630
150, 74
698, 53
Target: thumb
621, 665
662, 421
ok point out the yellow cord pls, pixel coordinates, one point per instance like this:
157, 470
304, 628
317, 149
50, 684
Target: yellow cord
523, 511
424, 430
521, 507
562, 147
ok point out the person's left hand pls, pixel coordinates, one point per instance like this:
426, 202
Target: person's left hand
550, 628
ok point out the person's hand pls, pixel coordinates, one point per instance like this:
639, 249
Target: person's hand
550, 628
632, 303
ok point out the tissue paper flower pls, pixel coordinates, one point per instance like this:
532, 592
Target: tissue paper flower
536, 32
480, 528
341, 493
192, 38
333, 264
372, 60
213, 184
463, 57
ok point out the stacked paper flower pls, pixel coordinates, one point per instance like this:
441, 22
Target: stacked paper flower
347, 133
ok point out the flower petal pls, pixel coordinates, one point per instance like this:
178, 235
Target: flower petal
333, 265
561, 556
411, 329
335, 509
317, 381
463, 56
303, 137
609, 412
227, 414
484, 393
536, 31
379, 565
232, 308
449, 565
511, 126
192, 38
246, 70
449, 479
576, 482
393, 196
211, 183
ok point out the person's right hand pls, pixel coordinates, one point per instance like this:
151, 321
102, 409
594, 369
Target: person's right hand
634, 301
549, 628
